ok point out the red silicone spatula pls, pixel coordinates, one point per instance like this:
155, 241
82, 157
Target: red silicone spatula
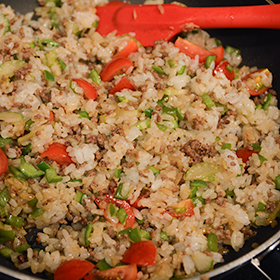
154, 22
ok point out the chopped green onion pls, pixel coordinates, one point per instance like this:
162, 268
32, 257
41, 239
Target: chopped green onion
49, 76
89, 230
15, 221
121, 215
32, 203
212, 242
4, 197
144, 124
209, 59
40, 45
94, 76
171, 63
207, 100
50, 173
159, 70
226, 146
154, 170
262, 159
182, 70
118, 173
161, 127
256, 147
267, 101
229, 68
103, 265
61, 64
50, 43
277, 182
198, 183
119, 193
28, 124
261, 207
79, 196
83, 114
231, 50
180, 115
37, 212
148, 112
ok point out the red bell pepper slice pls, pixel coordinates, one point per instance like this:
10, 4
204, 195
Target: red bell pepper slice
219, 53
142, 253
260, 88
122, 84
88, 88
127, 272
115, 67
244, 153
58, 153
74, 269
126, 206
225, 68
130, 47
3, 162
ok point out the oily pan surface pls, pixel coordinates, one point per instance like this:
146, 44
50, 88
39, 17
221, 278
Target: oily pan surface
174, 140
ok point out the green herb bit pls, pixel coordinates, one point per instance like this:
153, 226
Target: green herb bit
161, 127
209, 59
226, 146
148, 112
61, 64
84, 114
32, 203
163, 236
182, 70
37, 212
119, 193
267, 102
212, 242
6, 252
159, 70
154, 170
103, 265
171, 63
112, 209
94, 76
198, 183
118, 173
89, 230
79, 196
4, 142
4, 197
256, 147
277, 182
261, 207
15, 221
230, 50
193, 192
49, 76
262, 159
207, 100
121, 215
17, 173
28, 124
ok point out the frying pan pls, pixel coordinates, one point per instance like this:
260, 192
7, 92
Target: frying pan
259, 47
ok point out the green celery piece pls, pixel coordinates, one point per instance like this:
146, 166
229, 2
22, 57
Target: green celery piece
144, 124
17, 173
79, 196
51, 176
209, 59
261, 207
207, 100
29, 170
198, 183
134, 235
182, 70
121, 215
161, 127
202, 171
112, 209
15, 221
159, 70
193, 192
212, 242
22, 248
43, 165
94, 76
118, 173
226, 146
89, 230
4, 197
119, 193
7, 234
61, 64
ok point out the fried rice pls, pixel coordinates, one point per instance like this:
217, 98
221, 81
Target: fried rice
166, 145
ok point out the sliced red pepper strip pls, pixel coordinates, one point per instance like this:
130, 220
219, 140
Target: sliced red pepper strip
126, 206
3, 162
130, 47
74, 269
262, 89
127, 272
51, 116
115, 67
142, 253
219, 53
58, 153
224, 68
88, 88
122, 84
244, 153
